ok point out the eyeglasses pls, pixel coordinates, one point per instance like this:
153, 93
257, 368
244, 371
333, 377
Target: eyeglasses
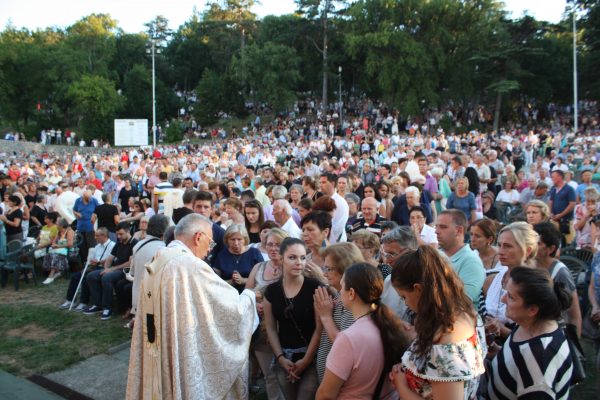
388, 255
273, 245
327, 269
211, 244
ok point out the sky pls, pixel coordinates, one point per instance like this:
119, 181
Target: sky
132, 14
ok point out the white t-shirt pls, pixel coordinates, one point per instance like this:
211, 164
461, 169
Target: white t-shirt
508, 197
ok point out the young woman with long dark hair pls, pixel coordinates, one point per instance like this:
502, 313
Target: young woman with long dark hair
445, 360
362, 355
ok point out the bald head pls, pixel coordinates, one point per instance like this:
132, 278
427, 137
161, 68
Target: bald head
369, 207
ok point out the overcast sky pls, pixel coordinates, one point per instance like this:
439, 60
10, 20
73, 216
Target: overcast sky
132, 14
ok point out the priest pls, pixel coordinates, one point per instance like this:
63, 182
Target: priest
192, 330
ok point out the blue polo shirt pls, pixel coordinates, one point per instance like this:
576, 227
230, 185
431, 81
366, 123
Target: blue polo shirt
561, 199
84, 224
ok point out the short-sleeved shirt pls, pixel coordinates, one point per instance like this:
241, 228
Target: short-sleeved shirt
297, 325
84, 224
561, 199
465, 204
343, 319
122, 251
106, 216
13, 230
39, 213
357, 358
561, 273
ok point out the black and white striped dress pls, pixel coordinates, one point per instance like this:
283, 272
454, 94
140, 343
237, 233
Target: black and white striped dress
539, 368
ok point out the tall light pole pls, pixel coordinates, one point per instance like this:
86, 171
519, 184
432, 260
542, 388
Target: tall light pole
575, 105
341, 105
153, 97
153, 52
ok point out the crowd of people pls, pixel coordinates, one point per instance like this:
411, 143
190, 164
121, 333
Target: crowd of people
384, 264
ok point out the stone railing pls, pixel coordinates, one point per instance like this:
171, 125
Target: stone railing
9, 146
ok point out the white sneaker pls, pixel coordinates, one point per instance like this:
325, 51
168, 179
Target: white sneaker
80, 307
48, 281
64, 305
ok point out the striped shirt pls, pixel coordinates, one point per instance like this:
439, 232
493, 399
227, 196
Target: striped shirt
343, 319
375, 227
538, 368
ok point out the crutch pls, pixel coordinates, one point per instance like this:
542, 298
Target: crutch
79, 285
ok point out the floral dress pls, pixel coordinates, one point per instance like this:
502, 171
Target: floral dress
452, 362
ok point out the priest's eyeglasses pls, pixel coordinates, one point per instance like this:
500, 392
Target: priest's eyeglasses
211, 243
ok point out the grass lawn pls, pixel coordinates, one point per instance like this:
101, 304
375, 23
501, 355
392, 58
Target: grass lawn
38, 338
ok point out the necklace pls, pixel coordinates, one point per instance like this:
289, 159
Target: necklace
275, 268
237, 257
365, 314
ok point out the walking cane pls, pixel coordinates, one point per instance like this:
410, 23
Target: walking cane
79, 285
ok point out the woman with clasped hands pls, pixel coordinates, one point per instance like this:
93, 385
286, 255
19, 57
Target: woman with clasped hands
290, 323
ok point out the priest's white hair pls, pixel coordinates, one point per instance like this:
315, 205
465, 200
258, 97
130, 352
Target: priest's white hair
189, 225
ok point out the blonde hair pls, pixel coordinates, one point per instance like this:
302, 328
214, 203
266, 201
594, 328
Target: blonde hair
278, 233
544, 209
237, 228
343, 255
369, 239
525, 237
465, 180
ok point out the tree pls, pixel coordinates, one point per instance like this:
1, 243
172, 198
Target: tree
502, 62
272, 73
210, 96
158, 30
590, 82
137, 89
130, 50
94, 36
95, 102
382, 39
217, 94
324, 8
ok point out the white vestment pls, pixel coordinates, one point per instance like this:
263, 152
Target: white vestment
198, 348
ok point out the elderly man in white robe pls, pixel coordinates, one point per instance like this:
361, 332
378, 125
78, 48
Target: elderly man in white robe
192, 330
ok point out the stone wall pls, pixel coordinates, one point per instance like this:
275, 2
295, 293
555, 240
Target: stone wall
9, 146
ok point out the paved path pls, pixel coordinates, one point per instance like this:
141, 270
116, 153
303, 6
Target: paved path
102, 377
15, 388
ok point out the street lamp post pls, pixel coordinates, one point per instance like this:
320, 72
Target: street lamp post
153, 97
575, 95
341, 105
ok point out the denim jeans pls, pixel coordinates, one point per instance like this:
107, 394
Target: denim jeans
85, 289
102, 286
304, 389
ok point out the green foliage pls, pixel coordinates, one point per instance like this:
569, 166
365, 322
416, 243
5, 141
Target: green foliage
210, 91
174, 133
270, 71
412, 54
136, 87
95, 103
590, 82
216, 94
